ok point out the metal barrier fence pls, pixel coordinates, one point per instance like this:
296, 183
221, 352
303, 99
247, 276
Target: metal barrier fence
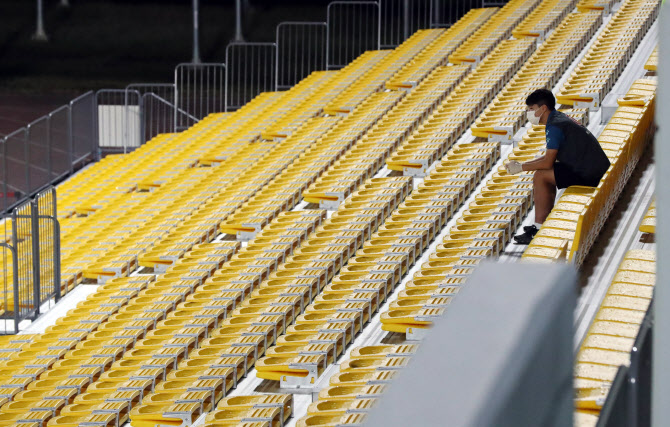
48, 235
302, 47
158, 116
47, 150
353, 28
401, 18
200, 89
446, 13
250, 70
30, 259
119, 119
83, 129
157, 108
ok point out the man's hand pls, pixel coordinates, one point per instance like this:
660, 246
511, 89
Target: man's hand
513, 167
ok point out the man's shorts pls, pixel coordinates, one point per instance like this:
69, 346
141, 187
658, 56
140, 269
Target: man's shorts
566, 177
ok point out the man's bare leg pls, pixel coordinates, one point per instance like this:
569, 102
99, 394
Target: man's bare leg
544, 193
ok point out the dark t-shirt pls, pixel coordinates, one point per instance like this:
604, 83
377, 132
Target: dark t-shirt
577, 147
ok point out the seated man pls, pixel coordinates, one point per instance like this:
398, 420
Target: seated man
573, 157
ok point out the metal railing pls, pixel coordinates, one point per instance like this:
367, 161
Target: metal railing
447, 12
200, 89
47, 150
157, 108
250, 70
353, 28
401, 18
302, 47
30, 259
119, 113
83, 129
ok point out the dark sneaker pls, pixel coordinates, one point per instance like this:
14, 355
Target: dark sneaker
527, 236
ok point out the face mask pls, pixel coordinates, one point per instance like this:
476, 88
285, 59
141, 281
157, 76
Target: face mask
532, 118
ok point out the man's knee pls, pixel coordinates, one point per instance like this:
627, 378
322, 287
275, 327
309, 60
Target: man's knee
543, 177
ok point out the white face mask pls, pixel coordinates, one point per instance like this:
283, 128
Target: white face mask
532, 118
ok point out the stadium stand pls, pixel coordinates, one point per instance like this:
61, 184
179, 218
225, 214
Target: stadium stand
580, 213
276, 409
652, 63
610, 339
605, 60
261, 243
648, 224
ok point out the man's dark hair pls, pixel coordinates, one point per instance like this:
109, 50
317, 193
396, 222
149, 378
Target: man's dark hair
542, 97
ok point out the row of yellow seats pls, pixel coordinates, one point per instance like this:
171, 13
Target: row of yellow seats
375, 79
173, 154
497, 29
243, 129
609, 341
276, 299
482, 232
97, 268
313, 107
106, 306
115, 222
367, 158
238, 173
648, 224
437, 52
285, 105
237, 133
350, 396
459, 109
507, 113
263, 410
167, 322
588, 5
363, 159
296, 108
287, 189
111, 173
580, 212
364, 284
230, 196
360, 68
44, 351
247, 115
115, 250
207, 219
652, 62
167, 155
96, 172
597, 72
544, 19
10, 346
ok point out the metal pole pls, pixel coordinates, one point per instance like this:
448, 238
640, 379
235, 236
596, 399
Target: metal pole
4, 175
435, 16
35, 237
238, 21
15, 281
405, 22
660, 376
40, 34
196, 37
